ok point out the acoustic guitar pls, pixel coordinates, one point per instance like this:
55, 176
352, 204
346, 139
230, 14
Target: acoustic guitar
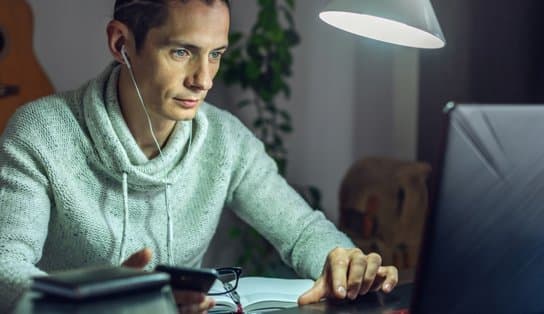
21, 77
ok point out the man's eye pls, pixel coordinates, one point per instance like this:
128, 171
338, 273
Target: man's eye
216, 55
180, 53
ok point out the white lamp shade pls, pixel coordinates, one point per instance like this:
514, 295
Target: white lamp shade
411, 23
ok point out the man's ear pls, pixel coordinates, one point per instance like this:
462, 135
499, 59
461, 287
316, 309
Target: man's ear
118, 35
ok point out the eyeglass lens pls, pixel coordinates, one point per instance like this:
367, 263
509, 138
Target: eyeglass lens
227, 281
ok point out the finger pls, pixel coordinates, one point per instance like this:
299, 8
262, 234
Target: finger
338, 269
207, 304
374, 261
379, 280
391, 278
188, 309
189, 297
357, 267
185, 301
315, 294
139, 259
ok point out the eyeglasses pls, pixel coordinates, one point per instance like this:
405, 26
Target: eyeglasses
228, 280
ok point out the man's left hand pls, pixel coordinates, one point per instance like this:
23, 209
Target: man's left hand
349, 273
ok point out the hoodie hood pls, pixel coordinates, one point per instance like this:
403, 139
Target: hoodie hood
116, 149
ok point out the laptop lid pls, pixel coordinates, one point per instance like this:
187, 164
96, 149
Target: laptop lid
483, 249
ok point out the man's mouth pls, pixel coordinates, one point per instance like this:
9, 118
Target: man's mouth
187, 103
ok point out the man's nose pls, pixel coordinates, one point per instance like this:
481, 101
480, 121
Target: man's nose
201, 77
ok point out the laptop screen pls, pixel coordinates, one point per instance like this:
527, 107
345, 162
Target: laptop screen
483, 248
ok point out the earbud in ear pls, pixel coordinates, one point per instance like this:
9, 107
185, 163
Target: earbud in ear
125, 57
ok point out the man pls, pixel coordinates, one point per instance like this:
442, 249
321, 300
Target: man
134, 168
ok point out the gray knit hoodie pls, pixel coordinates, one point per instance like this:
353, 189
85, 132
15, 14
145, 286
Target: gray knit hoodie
76, 190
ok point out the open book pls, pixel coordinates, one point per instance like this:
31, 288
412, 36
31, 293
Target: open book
262, 294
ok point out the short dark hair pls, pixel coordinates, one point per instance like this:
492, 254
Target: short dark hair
142, 15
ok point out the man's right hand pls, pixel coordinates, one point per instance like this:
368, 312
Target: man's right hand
139, 259
187, 301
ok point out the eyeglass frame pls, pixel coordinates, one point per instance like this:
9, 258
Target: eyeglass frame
230, 288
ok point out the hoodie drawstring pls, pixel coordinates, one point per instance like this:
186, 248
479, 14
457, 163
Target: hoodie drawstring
122, 255
122, 252
169, 223
170, 228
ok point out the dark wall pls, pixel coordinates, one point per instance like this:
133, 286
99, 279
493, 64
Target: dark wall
493, 54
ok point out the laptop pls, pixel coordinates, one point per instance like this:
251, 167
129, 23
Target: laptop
483, 249
483, 245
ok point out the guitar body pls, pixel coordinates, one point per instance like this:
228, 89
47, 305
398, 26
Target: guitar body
21, 76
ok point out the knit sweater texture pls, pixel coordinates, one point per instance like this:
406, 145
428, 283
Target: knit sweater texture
62, 163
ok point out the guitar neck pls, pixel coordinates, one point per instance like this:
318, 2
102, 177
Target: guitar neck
21, 77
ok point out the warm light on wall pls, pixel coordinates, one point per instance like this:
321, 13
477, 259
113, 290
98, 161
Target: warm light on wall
411, 23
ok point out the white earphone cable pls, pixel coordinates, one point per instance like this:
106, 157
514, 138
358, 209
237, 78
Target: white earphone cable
123, 53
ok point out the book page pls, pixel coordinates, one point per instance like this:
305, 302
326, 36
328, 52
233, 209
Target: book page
223, 303
262, 293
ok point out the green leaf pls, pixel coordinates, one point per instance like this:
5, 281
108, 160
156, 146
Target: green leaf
266, 3
292, 37
276, 65
316, 194
266, 95
256, 41
258, 123
238, 72
288, 16
282, 151
252, 70
276, 34
243, 103
286, 127
278, 141
271, 108
267, 17
282, 165
286, 91
230, 76
231, 56
285, 115
265, 133
291, 4
277, 84
234, 38
253, 50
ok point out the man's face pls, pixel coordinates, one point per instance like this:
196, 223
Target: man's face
179, 60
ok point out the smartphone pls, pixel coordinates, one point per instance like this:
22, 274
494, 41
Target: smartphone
194, 279
94, 282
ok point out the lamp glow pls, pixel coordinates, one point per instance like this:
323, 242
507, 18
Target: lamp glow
411, 23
